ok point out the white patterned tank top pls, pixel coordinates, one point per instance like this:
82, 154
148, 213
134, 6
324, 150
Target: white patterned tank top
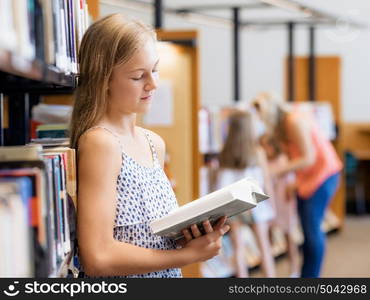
143, 195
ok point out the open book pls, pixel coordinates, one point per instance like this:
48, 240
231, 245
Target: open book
228, 201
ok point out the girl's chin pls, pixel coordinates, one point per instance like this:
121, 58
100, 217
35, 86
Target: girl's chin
143, 109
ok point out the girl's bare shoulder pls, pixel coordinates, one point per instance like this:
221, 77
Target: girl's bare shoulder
158, 143
99, 141
97, 136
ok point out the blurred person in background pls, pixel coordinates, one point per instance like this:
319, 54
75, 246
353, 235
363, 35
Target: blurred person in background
317, 167
241, 157
284, 199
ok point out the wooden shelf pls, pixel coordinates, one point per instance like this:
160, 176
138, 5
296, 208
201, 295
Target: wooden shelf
364, 129
362, 154
33, 75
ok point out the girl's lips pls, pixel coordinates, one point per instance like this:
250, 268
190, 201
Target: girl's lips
146, 98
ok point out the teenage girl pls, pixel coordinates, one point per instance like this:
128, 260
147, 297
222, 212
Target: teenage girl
121, 183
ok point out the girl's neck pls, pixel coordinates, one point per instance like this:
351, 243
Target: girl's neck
122, 125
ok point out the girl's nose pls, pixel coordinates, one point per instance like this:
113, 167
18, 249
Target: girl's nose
152, 83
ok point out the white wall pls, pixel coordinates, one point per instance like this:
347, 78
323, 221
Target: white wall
267, 51
263, 53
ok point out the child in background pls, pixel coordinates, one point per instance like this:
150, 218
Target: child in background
243, 157
285, 200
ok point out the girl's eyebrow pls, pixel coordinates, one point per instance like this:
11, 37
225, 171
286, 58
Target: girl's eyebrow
143, 69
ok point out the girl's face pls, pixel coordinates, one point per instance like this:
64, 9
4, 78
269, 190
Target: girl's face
132, 84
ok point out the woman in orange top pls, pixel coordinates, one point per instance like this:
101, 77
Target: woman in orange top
317, 167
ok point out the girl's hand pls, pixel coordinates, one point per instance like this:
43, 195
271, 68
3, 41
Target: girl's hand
203, 247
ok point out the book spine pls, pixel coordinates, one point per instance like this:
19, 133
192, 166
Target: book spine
57, 34
22, 27
51, 217
49, 31
65, 62
72, 34
67, 35
63, 182
8, 34
38, 30
57, 211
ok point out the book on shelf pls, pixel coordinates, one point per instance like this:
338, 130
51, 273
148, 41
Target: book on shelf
46, 30
49, 207
8, 37
15, 229
38, 208
69, 160
231, 200
49, 38
16, 153
50, 142
52, 131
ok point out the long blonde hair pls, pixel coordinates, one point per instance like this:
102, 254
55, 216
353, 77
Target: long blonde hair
107, 43
240, 148
273, 109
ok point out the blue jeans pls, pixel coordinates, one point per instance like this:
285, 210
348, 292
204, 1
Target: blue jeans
311, 212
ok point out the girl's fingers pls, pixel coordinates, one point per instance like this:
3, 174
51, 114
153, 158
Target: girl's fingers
225, 229
207, 226
220, 222
195, 231
187, 235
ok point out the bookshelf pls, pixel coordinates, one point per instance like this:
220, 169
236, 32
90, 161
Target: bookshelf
31, 70
38, 56
66, 98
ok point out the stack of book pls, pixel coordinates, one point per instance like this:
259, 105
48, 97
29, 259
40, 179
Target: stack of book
37, 210
52, 131
50, 120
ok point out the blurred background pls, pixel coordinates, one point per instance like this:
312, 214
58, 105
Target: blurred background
215, 56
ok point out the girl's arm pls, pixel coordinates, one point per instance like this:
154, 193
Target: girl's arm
299, 134
99, 164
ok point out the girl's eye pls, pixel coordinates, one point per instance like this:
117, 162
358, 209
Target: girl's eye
142, 76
